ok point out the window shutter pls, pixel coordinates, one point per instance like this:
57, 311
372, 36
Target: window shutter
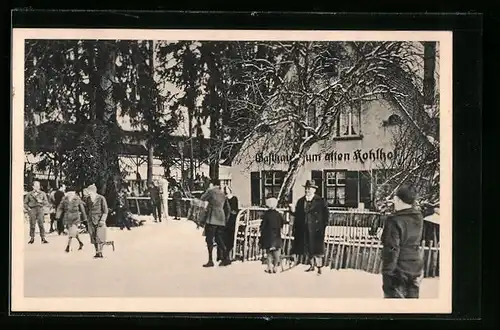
365, 189
317, 176
255, 188
351, 189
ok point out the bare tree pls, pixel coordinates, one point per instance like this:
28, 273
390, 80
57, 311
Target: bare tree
308, 85
416, 133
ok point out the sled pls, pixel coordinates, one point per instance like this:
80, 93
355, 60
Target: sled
288, 262
112, 243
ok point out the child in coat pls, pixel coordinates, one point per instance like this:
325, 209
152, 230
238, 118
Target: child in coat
270, 233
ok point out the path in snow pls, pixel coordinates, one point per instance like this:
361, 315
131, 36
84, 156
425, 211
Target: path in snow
164, 260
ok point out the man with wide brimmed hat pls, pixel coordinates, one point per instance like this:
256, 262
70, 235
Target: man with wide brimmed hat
311, 218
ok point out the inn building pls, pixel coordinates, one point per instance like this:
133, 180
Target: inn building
347, 168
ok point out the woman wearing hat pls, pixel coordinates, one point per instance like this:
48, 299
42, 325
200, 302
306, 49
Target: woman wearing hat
311, 218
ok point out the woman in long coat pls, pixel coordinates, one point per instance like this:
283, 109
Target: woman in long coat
311, 218
232, 203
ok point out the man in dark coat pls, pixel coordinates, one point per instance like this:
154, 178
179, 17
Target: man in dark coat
177, 200
122, 210
215, 222
58, 196
311, 218
402, 259
154, 194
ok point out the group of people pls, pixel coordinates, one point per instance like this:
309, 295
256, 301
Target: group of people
220, 221
402, 257
71, 210
308, 229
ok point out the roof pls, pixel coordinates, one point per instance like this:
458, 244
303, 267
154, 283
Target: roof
44, 137
434, 218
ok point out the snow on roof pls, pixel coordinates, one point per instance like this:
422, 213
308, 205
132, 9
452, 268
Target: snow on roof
434, 218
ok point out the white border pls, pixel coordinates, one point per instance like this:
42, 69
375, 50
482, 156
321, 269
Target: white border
260, 305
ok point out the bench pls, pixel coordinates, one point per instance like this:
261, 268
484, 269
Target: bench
112, 243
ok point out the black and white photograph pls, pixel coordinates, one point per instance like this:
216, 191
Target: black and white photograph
231, 171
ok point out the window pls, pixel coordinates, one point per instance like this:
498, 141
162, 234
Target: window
272, 182
348, 123
311, 120
264, 183
335, 185
394, 120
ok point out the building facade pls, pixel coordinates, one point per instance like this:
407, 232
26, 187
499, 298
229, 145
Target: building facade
347, 168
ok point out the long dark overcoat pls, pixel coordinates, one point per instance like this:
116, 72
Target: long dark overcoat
270, 229
309, 226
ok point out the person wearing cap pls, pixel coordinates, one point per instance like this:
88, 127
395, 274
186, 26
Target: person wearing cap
402, 259
311, 218
270, 233
35, 203
215, 222
97, 213
72, 211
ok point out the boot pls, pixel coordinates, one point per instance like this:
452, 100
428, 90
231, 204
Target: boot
81, 246
226, 261
210, 263
319, 270
67, 249
44, 241
31, 241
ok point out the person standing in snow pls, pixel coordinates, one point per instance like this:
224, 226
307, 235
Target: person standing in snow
402, 258
72, 211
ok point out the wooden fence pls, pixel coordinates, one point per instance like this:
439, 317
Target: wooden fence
142, 206
352, 240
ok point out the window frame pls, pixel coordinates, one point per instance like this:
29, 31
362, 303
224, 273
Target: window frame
273, 186
335, 187
349, 114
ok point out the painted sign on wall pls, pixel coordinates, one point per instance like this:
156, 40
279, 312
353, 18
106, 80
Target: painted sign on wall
357, 155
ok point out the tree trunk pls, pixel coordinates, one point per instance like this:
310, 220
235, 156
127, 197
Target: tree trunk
154, 107
214, 159
151, 149
110, 179
429, 68
191, 165
293, 169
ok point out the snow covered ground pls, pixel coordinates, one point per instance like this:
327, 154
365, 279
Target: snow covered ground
164, 260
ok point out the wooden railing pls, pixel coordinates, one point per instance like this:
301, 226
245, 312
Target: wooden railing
352, 240
142, 206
